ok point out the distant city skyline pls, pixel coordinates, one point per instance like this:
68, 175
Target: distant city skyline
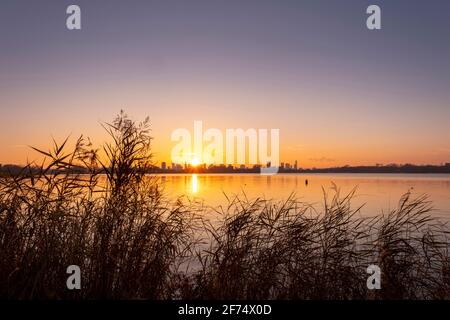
186, 168
176, 167
339, 93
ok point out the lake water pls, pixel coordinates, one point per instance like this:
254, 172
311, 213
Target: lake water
379, 192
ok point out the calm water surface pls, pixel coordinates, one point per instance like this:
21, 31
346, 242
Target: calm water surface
379, 192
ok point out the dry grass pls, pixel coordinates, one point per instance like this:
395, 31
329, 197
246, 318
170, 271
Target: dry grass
131, 243
288, 250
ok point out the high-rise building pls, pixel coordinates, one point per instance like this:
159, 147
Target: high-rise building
163, 165
296, 165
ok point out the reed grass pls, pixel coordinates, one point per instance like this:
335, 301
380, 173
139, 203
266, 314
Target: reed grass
132, 243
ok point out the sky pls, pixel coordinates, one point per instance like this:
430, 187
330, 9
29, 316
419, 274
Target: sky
339, 93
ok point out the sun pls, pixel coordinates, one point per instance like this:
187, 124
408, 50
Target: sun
195, 162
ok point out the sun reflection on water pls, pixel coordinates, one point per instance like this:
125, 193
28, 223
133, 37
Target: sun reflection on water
194, 183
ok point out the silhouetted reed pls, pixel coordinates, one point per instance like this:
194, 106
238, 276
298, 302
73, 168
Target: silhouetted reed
291, 250
98, 209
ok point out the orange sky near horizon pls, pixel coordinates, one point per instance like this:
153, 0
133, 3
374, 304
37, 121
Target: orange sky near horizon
311, 148
341, 127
